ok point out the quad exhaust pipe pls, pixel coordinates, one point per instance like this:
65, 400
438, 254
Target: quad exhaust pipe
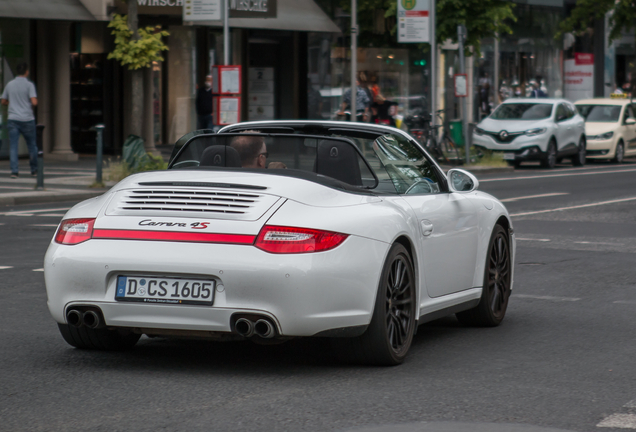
77, 318
248, 328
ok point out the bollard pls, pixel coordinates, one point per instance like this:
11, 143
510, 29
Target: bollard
100, 151
38, 140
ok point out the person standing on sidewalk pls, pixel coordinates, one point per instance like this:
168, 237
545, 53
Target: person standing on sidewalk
20, 95
204, 105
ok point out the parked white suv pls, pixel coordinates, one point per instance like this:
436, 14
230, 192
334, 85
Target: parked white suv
546, 130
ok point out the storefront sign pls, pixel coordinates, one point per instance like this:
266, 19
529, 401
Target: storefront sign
261, 93
579, 77
413, 21
202, 10
252, 8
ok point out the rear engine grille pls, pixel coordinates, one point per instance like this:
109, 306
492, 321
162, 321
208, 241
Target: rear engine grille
189, 201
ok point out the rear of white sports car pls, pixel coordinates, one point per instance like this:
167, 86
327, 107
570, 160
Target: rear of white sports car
175, 252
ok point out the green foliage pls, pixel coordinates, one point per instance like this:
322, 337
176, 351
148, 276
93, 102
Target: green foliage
482, 18
119, 169
583, 15
136, 53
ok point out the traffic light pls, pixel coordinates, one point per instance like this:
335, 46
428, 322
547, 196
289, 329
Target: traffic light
419, 62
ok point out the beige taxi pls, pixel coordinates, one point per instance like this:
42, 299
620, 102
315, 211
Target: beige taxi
610, 127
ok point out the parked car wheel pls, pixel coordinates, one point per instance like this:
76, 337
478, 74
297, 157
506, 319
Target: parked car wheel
492, 306
550, 157
619, 155
579, 158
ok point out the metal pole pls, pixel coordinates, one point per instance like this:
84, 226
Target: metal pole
354, 59
100, 150
433, 67
461, 37
40, 178
226, 33
495, 79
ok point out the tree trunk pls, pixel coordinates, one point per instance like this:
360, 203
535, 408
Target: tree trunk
136, 97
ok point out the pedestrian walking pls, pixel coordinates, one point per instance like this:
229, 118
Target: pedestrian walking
362, 101
19, 94
204, 105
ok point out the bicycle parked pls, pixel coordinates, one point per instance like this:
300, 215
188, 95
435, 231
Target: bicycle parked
443, 149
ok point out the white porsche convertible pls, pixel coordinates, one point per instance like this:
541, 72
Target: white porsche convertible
275, 230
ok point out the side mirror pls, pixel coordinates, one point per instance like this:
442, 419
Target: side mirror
561, 117
630, 121
461, 181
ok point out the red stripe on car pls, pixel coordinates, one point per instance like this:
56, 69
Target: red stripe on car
173, 236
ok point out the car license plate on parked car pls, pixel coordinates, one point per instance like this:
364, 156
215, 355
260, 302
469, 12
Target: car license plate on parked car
165, 290
509, 156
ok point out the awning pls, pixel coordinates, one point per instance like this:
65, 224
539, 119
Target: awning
295, 15
69, 10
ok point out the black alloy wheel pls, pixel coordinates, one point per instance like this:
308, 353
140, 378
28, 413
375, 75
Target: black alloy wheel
389, 335
550, 157
493, 304
619, 154
579, 158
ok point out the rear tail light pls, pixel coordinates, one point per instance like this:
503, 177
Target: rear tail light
74, 231
290, 240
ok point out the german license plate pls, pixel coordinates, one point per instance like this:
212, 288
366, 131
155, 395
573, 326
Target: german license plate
165, 290
509, 156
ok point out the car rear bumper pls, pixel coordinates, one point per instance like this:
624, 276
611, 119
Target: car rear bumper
303, 294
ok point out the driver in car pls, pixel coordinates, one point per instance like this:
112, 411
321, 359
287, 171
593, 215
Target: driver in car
253, 151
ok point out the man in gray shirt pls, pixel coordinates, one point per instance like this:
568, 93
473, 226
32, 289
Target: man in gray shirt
20, 95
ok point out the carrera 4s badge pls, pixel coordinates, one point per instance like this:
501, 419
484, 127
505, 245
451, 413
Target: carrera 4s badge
193, 225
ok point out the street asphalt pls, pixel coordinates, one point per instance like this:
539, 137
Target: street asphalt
563, 359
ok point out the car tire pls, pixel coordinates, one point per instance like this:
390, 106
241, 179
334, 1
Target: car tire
579, 158
550, 157
98, 339
514, 164
388, 337
493, 303
619, 153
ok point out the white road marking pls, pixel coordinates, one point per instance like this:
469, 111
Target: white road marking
39, 270
52, 214
19, 213
529, 239
630, 404
575, 207
534, 196
623, 421
567, 299
44, 225
5, 267
599, 243
557, 175
626, 302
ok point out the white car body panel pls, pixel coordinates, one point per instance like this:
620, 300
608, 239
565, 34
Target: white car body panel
622, 131
304, 294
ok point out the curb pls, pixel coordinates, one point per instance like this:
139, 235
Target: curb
35, 199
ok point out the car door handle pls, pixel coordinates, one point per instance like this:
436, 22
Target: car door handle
427, 227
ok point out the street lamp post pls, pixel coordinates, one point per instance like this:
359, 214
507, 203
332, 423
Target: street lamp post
461, 37
354, 59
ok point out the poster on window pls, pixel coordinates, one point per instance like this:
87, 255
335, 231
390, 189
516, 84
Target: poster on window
413, 21
579, 77
261, 100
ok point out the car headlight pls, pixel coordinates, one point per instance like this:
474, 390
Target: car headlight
479, 131
537, 131
605, 136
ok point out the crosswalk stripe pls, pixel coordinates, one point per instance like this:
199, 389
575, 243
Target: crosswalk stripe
623, 421
39, 270
5, 267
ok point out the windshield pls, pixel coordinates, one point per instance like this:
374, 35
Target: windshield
522, 111
389, 163
600, 113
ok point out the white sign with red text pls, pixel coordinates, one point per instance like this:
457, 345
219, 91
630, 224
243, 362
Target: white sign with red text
579, 77
413, 21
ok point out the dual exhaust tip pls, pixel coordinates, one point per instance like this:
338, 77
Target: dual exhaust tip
77, 318
260, 327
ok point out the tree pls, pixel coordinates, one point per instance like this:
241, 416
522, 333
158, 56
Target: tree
622, 20
136, 49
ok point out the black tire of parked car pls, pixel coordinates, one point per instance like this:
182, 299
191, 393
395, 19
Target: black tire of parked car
493, 304
98, 339
389, 336
579, 158
619, 154
550, 157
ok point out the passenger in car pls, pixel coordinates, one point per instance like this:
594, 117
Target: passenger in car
253, 151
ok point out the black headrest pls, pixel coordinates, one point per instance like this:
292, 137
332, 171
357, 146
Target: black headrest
220, 155
338, 160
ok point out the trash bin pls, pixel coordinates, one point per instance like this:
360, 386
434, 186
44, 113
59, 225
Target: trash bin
457, 132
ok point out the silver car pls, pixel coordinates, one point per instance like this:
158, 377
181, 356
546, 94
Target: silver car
545, 130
